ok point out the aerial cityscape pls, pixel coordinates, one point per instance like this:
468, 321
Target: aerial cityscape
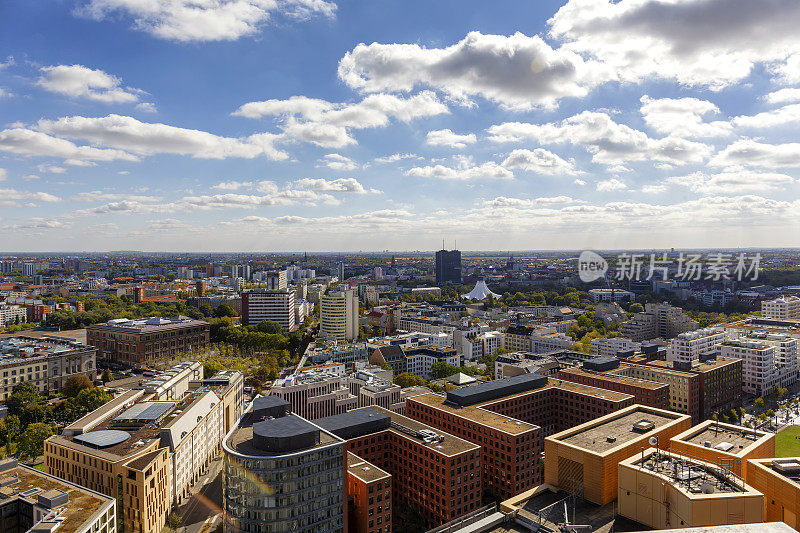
276, 266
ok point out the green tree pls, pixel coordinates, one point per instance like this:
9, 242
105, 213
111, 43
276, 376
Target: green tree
107, 376
406, 379
31, 443
269, 326
10, 429
75, 384
759, 402
36, 412
90, 399
23, 394
636, 308
174, 521
224, 310
440, 369
211, 367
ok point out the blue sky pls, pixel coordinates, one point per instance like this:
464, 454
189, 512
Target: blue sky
261, 125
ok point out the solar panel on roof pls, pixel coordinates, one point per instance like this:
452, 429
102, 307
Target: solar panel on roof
145, 411
103, 438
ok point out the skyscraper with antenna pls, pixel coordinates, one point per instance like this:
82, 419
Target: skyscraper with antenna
448, 266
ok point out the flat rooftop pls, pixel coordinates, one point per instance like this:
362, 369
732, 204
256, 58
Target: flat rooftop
241, 440
78, 512
724, 438
620, 428
364, 470
19, 348
451, 445
786, 467
624, 380
477, 415
148, 325
143, 421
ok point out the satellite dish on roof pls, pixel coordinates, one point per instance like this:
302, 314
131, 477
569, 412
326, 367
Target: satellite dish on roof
653, 441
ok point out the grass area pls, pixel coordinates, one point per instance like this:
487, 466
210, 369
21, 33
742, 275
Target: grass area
39, 467
787, 442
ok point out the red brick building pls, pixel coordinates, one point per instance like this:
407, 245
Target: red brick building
644, 392
370, 493
509, 418
435, 473
138, 341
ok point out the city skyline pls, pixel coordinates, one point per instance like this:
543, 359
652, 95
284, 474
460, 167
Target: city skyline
313, 125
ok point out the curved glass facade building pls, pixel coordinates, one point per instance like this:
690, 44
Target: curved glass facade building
282, 473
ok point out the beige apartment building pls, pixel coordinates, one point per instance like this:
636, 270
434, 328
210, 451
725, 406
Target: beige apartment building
783, 308
32, 501
46, 362
338, 315
148, 451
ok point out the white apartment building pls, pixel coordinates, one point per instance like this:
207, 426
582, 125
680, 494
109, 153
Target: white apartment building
195, 437
267, 304
785, 357
610, 347
611, 295
468, 346
687, 347
657, 320
316, 393
339, 315
372, 390
544, 341
424, 324
302, 309
491, 341
760, 374
12, 314
172, 384
420, 360
784, 308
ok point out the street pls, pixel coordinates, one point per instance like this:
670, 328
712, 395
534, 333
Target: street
198, 513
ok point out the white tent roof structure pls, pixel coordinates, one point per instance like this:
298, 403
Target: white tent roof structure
480, 292
461, 379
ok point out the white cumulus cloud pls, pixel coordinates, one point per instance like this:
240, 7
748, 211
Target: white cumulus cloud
204, 20
146, 138
712, 43
517, 71
610, 143
448, 138
538, 160
78, 81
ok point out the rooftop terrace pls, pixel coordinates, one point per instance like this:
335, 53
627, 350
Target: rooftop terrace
77, 512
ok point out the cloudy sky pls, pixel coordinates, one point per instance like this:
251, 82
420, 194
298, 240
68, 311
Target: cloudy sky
261, 125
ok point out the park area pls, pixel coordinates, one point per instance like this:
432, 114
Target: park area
787, 442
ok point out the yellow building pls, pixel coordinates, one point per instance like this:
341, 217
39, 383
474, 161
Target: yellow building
584, 459
338, 314
726, 445
779, 481
147, 453
664, 490
32, 501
